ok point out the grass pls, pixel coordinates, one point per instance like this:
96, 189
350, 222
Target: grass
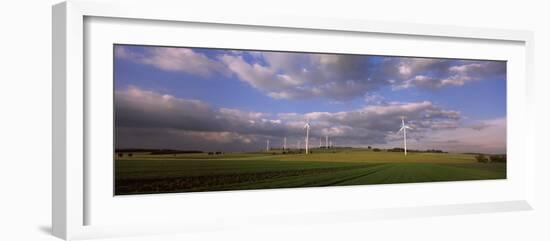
144, 173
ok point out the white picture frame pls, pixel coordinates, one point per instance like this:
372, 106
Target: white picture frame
73, 185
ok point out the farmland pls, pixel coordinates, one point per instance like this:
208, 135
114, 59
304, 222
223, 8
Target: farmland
145, 173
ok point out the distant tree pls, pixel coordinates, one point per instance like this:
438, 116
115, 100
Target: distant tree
498, 158
481, 158
369, 147
376, 150
397, 149
120, 154
130, 154
168, 151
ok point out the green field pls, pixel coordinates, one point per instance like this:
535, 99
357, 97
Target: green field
143, 173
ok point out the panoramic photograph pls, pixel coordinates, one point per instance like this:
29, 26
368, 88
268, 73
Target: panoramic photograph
190, 119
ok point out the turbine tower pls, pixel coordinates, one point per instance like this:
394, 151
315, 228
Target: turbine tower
307, 126
284, 144
404, 130
320, 142
326, 142
267, 145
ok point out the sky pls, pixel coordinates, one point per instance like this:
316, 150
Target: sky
236, 100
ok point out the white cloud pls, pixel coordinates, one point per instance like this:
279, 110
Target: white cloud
174, 59
437, 73
411, 66
256, 75
374, 99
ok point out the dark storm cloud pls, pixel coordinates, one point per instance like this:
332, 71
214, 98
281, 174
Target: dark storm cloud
138, 108
167, 121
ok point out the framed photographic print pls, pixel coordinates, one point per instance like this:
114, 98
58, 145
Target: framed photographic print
171, 113
191, 119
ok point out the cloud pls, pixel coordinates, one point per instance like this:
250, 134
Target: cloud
479, 126
299, 75
151, 119
340, 77
172, 59
374, 99
286, 75
139, 108
374, 124
491, 138
258, 76
437, 73
168, 138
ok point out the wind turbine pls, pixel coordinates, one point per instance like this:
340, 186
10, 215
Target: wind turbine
326, 142
307, 126
404, 130
284, 145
